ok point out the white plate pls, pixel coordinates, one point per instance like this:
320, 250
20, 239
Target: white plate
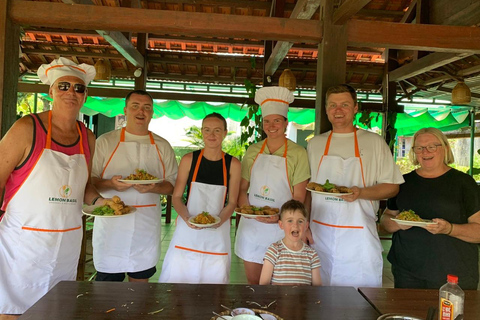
266, 316
140, 181
242, 311
217, 220
247, 215
87, 210
414, 223
329, 193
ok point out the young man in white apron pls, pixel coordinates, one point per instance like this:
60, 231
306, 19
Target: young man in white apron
344, 229
273, 171
131, 244
203, 255
46, 181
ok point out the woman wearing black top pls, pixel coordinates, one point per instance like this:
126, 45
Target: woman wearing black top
212, 178
422, 257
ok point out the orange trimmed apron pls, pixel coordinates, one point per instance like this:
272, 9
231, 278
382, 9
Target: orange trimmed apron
269, 186
41, 232
344, 233
130, 243
200, 256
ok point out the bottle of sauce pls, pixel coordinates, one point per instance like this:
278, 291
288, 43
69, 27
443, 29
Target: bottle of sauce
451, 298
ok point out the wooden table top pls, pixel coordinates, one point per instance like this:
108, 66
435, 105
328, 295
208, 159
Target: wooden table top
94, 300
415, 302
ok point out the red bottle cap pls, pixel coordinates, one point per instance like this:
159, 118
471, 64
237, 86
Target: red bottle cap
452, 278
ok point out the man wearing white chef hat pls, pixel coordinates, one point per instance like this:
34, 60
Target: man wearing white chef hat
274, 171
46, 181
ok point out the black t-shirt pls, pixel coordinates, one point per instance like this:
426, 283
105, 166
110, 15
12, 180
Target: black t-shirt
210, 172
454, 196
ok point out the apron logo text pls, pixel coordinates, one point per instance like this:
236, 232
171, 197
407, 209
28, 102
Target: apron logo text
258, 196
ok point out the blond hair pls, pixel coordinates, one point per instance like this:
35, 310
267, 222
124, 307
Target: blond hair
448, 157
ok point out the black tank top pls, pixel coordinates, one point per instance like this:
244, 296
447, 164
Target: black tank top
210, 172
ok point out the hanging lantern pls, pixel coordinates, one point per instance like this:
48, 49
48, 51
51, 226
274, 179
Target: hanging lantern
287, 80
103, 71
461, 94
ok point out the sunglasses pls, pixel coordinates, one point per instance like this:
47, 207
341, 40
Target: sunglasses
78, 87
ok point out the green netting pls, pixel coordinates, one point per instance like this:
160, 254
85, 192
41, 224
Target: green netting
196, 110
407, 124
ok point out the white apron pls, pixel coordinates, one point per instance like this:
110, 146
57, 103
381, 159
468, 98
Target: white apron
200, 256
269, 186
344, 233
130, 243
41, 232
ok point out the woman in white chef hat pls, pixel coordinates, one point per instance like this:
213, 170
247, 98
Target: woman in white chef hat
45, 173
274, 171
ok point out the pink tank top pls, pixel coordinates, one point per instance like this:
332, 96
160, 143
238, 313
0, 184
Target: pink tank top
18, 176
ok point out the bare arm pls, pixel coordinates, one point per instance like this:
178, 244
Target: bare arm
300, 191
387, 224
468, 232
233, 191
376, 192
267, 272
14, 148
316, 278
243, 193
182, 177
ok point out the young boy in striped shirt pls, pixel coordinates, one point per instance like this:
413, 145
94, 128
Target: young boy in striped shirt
290, 261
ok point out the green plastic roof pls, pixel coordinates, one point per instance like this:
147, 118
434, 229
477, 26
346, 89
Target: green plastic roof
446, 119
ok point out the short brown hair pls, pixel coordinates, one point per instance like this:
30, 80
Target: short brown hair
341, 88
292, 206
139, 92
218, 116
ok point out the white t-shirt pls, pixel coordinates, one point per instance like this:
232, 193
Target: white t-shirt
107, 143
377, 160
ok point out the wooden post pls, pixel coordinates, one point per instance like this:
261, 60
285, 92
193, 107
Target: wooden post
389, 91
331, 62
141, 81
9, 49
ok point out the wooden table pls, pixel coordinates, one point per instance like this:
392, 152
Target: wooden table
93, 300
415, 302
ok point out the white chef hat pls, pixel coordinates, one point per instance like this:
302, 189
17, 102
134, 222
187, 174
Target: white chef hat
61, 67
274, 100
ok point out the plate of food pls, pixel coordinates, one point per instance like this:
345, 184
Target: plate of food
328, 189
141, 177
256, 212
410, 218
113, 208
204, 220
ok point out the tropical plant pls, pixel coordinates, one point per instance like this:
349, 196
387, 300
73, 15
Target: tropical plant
252, 122
26, 104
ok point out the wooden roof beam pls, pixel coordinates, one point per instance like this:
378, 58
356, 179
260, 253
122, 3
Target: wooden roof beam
347, 10
391, 35
427, 63
123, 45
164, 22
361, 33
304, 9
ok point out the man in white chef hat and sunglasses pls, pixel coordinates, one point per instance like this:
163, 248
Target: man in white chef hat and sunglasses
45, 162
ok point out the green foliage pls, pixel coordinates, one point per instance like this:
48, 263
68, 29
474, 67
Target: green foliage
252, 123
26, 104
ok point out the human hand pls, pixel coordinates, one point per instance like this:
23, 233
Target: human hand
189, 224
119, 185
352, 197
441, 227
308, 237
144, 188
269, 219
